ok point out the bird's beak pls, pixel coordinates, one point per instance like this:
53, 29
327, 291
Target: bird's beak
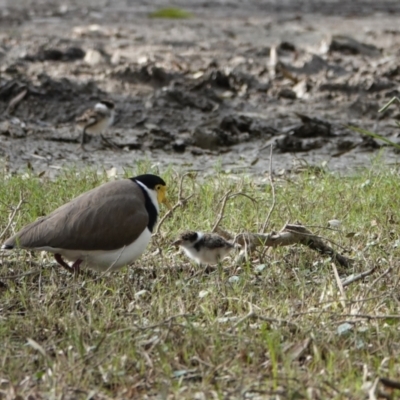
176, 243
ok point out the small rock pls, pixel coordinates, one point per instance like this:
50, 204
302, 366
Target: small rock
93, 57
203, 293
260, 268
334, 223
344, 329
234, 279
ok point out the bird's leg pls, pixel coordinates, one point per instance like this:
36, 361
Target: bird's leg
83, 139
61, 262
221, 277
76, 267
109, 142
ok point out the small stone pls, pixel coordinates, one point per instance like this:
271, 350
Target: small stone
203, 293
93, 57
344, 329
234, 279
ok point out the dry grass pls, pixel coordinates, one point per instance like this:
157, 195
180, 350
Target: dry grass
160, 329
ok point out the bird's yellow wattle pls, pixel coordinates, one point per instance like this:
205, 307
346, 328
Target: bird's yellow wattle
161, 196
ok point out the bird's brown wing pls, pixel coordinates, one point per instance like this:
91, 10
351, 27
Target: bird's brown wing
106, 218
90, 117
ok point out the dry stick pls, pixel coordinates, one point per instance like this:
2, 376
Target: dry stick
375, 282
313, 235
181, 202
372, 390
390, 383
16, 100
12, 216
315, 243
362, 316
224, 200
12, 277
379, 278
266, 222
340, 286
221, 210
291, 234
354, 278
350, 302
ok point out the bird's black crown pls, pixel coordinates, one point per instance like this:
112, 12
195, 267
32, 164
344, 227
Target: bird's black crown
150, 180
109, 104
189, 236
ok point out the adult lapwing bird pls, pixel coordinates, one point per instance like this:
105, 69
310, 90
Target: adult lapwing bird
105, 228
204, 248
96, 120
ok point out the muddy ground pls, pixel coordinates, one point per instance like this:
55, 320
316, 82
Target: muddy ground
217, 88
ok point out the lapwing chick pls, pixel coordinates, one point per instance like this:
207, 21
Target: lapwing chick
204, 248
96, 120
104, 229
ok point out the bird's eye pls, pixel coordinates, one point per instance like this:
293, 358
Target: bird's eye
158, 187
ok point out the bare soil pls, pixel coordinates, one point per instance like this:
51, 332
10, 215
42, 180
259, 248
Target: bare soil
215, 89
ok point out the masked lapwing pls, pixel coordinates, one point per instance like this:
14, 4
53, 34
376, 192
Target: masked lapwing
104, 229
96, 120
204, 248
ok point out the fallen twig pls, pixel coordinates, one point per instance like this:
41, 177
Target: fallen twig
340, 285
372, 285
12, 216
17, 99
266, 222
224, 200
354, 278
180, 203
372, 390
221, 210
361, 316
13, 277
290, 234
390, 383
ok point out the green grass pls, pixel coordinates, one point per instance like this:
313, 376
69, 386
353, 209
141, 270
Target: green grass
171, 13
146, 331
376, 135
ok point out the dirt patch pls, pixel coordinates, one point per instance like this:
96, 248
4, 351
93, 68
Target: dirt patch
219, 87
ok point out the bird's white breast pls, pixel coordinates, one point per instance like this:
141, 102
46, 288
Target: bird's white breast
205, 255
103, 260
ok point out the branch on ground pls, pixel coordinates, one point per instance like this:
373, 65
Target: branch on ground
290, 234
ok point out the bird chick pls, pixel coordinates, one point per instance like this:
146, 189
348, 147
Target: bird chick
96, 120
204, 248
